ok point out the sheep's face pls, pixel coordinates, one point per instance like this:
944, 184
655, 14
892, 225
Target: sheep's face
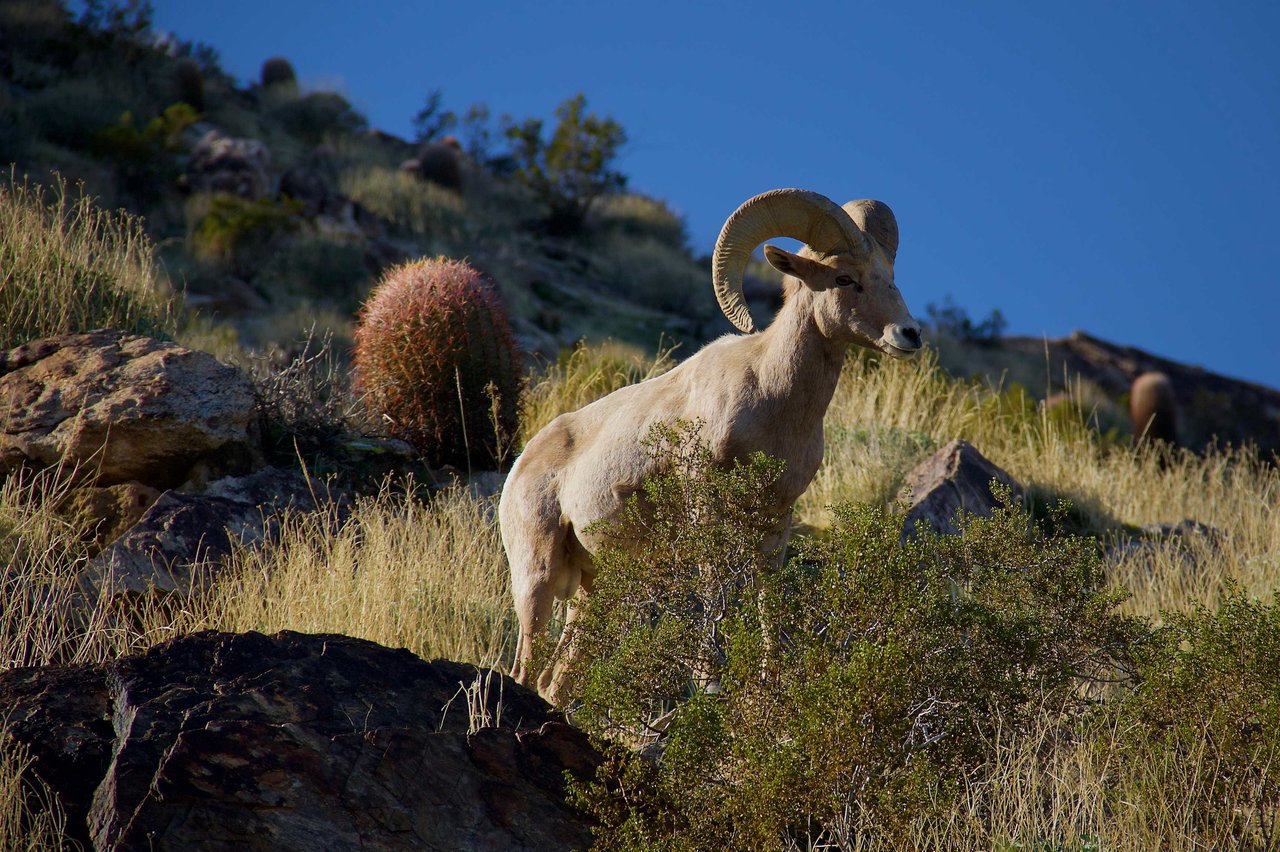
854, 299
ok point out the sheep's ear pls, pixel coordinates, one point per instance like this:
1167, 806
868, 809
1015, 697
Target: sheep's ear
809, 271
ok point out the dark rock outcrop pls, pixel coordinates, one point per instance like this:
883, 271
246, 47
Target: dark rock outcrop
1213, 407
124, 407
221, 163
223, 741
954, 479
180, 541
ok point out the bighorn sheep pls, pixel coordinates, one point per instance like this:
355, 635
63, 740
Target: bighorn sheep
1153, 409
765, 391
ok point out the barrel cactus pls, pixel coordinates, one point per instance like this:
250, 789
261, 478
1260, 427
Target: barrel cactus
278, 71
435, 361
189, 82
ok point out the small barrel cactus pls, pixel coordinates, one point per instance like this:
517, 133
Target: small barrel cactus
278, 71
189, 81
435, 361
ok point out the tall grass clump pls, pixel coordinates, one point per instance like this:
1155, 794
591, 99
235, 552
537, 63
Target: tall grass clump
406, 573
66, 266
415, 207
869, 675
31, 817
886, 416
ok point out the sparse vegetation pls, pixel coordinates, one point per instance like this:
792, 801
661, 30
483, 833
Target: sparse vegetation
867, 694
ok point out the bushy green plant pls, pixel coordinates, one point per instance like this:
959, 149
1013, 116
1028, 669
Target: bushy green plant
317, 115
953, 320
436, 362
1208, 704
639, 216
655, 274
235, 230
868, 675
573, 168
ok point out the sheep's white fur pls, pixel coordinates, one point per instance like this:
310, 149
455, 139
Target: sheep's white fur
767, 392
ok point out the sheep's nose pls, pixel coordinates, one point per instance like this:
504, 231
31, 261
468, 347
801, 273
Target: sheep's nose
913, 335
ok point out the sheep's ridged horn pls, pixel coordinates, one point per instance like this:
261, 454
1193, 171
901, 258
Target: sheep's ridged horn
878, 222
799, 214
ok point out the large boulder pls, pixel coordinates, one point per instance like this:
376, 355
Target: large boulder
954, 480
180, 541
244, 742
221, 163
123, 407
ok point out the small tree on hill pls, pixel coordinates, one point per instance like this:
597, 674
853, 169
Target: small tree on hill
573, 168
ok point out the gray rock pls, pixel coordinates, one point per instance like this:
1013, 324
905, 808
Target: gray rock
180, 542
123, 407
222, 741
221, 163
956, 478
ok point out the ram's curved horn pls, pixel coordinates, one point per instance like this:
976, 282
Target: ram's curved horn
800, 214
878, 222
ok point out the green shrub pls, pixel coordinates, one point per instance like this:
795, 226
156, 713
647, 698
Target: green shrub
66, 266
653, 273
236, 231
866, 676
317, 268
436, 362
639, 216
1208, 706
573, 168
317, 115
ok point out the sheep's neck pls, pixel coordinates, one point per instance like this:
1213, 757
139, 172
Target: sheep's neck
799, 367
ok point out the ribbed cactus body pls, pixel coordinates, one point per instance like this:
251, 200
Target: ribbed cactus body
435, 361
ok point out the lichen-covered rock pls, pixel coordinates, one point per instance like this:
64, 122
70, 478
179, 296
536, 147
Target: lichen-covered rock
956, 478
221, 163
122, 407
181, 540
222, 741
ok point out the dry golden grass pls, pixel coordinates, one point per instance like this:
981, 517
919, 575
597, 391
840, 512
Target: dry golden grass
427, 576
67, 266
886, 416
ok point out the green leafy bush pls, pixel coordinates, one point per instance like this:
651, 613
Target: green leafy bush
436, 362
235, 231
573, 168
868, 675
317, 115
1208, 706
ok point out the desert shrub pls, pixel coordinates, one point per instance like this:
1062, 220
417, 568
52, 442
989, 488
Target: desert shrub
639, 216
72, 111
435, 361
868, 675
144, 157
952, 320
572, 168
237, 232
653, 273
317, 268
1207, 708
66, 266
316, 115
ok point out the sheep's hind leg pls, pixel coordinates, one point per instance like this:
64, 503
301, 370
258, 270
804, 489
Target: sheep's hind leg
538, 573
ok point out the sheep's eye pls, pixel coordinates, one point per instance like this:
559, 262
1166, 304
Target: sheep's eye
845, 281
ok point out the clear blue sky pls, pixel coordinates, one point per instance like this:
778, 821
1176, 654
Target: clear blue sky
1112, 167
